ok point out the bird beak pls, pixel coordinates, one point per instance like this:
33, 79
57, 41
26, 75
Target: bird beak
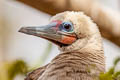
49, 32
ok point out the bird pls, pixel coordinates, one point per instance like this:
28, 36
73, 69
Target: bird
81, 49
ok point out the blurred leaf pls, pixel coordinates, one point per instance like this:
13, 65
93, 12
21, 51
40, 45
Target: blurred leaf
116, 76
105, 76
15, 68
111, 71
111, 74
116, 61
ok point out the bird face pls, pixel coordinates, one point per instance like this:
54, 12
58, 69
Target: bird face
69, 30
58, 32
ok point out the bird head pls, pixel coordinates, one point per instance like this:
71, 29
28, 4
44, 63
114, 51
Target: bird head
69, 30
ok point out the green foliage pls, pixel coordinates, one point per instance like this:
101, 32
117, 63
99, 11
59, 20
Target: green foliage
111, 74
116, 61
15, 68
9, 70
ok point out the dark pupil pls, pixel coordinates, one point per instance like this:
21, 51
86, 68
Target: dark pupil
67, 26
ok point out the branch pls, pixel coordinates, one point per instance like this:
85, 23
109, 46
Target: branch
107, 20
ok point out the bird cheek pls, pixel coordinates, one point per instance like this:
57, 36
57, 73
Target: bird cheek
68, 40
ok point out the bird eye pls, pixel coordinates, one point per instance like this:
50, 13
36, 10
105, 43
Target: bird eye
67, 27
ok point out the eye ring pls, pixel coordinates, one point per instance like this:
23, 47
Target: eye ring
67, 27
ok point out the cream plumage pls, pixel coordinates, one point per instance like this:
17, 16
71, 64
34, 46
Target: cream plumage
82, 55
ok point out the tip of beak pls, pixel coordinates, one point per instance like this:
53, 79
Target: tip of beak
23, 30
28, 30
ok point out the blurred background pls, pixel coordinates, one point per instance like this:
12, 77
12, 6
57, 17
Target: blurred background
30, 51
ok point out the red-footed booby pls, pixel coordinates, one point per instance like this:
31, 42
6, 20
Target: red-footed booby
80, 44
